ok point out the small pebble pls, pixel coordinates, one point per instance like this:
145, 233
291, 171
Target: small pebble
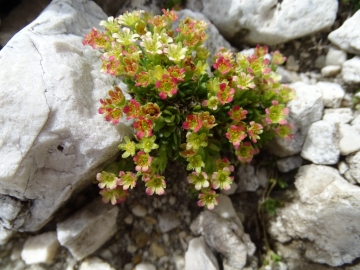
172, 200
129, 219
157, 250
139, 211
145, 266
131, 248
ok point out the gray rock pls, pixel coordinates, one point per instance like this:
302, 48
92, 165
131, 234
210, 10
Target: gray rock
225, 236
347, 37
351, 70
289, 163
267, 22
335, 57
340, 115
89, 228
354, 166
168, 222
5, 235
199, 256
95, 263
145, 266
332, 94
251, 180
324, 216
52, 140
349, 139
41, 248
330, 71
322, 144
305, 109
225, 208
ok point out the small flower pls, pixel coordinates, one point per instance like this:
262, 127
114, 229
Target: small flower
200, 69
156, 184
202, 53
167, 86
195, 140
170, 15
110, 112
244, 81
151, 43
151, 110
107, 180
254, 130
132, 109
237, 113
110, 25
261, 50
177, 73
143, 127
212, 103
245, 152
95, 39
208, 120
226, 94
221, 179
115, 196
110, 65
142, 79
200, 180
277, 58
130, 19
236, 134
125, 37
127, 180
195, 162
192, 122
284, 131
142, 161
175, 52
131, 66
208, 198
276, 114
223, 65
147, 144
128, 147
186, 152
224, 164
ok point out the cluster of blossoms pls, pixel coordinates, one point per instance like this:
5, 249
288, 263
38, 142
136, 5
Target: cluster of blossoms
180, 110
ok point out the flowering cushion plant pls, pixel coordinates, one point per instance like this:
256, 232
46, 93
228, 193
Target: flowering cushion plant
182, 110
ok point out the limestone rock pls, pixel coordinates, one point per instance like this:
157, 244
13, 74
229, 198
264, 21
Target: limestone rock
267, 22
322, 144
347, 37
339, 115
225, 208
335, 57
225, 236
145, 266
351, 70
289, 163
52, 140
356, 123
330, 71
305, 109
95, 263
332, 94
199, 256
349, 139
354, 166
324, 216
41, 248
86, 230
251, 180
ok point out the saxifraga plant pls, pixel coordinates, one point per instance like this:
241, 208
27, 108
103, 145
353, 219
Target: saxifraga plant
180, 109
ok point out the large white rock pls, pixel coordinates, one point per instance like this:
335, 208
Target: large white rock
332, 94
325, 216
41, 248
52, 140
347, 37
322, 143
267, 22
349, 139
354, 166
305, 109
225, 236
86, 230
199, 256
351, 70
339, 115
